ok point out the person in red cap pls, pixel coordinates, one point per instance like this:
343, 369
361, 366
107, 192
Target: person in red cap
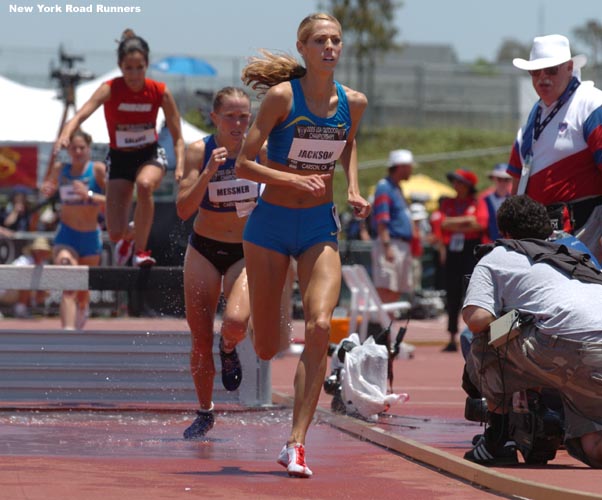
462, 226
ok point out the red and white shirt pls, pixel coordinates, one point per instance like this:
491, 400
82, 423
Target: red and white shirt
566, 161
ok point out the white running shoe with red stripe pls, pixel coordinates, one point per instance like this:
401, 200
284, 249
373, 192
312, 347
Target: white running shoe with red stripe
144, 259
292, 457
123, 252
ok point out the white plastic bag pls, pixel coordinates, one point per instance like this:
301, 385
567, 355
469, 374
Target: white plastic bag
364, 379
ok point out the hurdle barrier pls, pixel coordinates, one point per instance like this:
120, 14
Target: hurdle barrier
93, 367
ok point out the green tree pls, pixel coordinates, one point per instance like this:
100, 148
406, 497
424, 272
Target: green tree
368, 32
590, 34
510, 49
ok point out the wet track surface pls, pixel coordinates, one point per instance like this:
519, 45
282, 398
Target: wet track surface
116, 452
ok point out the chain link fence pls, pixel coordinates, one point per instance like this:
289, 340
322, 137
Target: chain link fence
400, 94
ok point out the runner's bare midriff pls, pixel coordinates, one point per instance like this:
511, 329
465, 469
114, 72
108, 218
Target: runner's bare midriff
291, 197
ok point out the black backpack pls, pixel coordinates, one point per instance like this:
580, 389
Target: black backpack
573, 263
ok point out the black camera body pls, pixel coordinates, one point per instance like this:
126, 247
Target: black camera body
538, 431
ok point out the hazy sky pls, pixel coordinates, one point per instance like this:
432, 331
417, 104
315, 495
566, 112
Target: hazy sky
238, 27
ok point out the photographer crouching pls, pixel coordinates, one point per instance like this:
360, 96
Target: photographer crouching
558, 296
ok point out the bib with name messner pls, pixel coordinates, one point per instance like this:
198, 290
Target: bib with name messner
67, 194
308, 142
225, 190
132, 116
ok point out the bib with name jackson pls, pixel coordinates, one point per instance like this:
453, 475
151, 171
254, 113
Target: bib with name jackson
225, 191
308, 142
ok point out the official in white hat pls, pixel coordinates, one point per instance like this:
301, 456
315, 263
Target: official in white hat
551, 57
557, 155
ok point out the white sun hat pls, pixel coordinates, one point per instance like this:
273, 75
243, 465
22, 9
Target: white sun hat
548, 51
400, 157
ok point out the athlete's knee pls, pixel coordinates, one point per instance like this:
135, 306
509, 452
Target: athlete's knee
145, 187
265, 350
234, 328
319, 325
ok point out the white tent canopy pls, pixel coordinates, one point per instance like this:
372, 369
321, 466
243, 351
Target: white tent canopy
32, 116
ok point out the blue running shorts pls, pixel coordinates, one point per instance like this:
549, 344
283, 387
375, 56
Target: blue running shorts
291, 231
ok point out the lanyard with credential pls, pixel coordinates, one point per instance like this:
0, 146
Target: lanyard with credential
538, 129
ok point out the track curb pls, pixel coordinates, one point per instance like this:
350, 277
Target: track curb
474, 473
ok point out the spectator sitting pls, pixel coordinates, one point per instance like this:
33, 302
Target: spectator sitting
16, 215
37, 253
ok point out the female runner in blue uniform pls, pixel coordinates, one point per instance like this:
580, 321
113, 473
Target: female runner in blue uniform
78, 241
310, 122
214, 257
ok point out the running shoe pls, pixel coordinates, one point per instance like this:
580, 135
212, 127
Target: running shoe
142, 258
292, 457
202, 424
231, 368
81, 316
486, 453
123, 252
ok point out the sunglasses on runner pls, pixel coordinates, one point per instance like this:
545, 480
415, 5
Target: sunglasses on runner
548, 71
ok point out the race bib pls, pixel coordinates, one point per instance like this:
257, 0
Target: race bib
68, 194
134, 138
233, 190
316, 148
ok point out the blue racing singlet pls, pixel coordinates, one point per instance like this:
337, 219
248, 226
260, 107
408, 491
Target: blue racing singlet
66, 178
225, 190
307, 142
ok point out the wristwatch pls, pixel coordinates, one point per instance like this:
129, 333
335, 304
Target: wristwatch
90, 195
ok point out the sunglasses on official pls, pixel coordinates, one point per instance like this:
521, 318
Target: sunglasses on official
548, 71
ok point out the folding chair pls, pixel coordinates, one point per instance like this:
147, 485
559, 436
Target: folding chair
366, 302
379, 311
358, 297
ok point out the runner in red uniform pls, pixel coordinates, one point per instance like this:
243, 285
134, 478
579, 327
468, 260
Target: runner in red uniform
131, 103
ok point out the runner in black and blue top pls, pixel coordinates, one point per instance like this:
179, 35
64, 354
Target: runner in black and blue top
310, 122
78, 241
214, 258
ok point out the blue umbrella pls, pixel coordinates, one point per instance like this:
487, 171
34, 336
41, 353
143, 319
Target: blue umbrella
184, 65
